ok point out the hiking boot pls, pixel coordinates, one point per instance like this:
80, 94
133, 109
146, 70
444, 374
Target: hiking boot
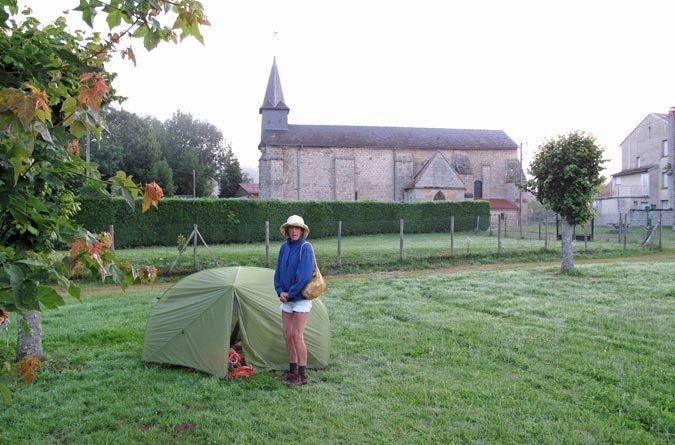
287, 376
297, 380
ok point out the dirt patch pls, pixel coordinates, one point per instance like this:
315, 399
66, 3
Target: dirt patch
183, 428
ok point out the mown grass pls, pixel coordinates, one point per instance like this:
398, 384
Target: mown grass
363, 254
521, 355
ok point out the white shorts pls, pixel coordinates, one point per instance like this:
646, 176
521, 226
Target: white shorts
296, 306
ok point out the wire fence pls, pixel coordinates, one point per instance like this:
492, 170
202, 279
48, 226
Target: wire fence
502, 237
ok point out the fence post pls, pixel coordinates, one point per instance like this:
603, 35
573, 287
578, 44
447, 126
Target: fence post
452, 235
540, 230
339, 246
499, 234
477, 223
620, 229
194, 246
505, 216
111, 229
267, 244
401, 240
546, 233
586, 237
660, 229
625, 230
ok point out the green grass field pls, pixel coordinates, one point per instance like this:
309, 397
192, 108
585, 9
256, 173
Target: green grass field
516, 355
363, 254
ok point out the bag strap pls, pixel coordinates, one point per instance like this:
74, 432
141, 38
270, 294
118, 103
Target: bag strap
313, 254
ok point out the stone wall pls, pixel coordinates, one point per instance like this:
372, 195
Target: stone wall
377, 174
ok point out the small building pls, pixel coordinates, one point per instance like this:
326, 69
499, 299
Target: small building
646, 176
247, 190
500, 206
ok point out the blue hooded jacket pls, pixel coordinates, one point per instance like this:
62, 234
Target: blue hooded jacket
293, 272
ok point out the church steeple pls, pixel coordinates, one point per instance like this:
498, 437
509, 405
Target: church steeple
274, 110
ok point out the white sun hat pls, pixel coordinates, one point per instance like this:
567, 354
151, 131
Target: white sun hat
295, 221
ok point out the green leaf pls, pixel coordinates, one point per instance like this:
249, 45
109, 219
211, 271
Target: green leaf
141, 31
114, 18
68, 105
75, 291
88, 12
77, 129
49, 297
152, 39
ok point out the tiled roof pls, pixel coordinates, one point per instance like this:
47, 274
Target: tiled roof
502, 204
387, 137
250, 188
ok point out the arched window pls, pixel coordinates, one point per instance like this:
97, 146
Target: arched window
478, 190
439, 196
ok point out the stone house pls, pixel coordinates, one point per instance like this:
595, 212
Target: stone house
646, 176
330, 162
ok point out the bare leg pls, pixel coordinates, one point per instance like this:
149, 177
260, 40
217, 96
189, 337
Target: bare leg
299, 321
287, 321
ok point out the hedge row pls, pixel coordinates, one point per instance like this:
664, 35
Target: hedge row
243, 221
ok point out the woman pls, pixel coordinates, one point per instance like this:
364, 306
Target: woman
294, 269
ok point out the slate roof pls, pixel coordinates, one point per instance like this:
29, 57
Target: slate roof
387, 137
632, 171
436, 173
274, 95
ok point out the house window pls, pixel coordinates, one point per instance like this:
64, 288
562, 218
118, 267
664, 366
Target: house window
664, 204
664, 145
664, 180
644, 179
638, 163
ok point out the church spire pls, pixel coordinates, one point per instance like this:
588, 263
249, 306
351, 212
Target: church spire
274, 110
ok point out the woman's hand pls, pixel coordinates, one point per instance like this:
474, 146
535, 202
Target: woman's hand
283, 297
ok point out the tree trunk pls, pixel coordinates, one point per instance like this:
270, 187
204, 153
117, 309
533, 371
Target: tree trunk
566, 254
29, 341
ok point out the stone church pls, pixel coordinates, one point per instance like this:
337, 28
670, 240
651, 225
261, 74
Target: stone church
334, 162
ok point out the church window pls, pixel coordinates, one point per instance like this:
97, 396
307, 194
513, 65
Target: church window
478, 190
439, 196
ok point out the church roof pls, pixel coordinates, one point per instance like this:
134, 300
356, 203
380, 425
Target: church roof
341, 136
274, 95
436, 173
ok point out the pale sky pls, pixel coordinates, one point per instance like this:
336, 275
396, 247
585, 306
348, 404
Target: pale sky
532, 68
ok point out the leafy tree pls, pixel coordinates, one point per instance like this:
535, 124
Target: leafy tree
53, 84
565, 174
107, 157
134, 139
162, 174
194, 149
230, 176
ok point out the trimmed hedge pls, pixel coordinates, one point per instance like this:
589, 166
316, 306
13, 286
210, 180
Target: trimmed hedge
243, 221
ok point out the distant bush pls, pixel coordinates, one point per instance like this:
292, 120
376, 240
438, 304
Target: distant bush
243, 220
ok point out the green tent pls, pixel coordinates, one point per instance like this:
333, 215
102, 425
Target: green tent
193, 322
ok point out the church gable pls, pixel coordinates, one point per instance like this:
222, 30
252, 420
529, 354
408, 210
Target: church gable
437, 173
